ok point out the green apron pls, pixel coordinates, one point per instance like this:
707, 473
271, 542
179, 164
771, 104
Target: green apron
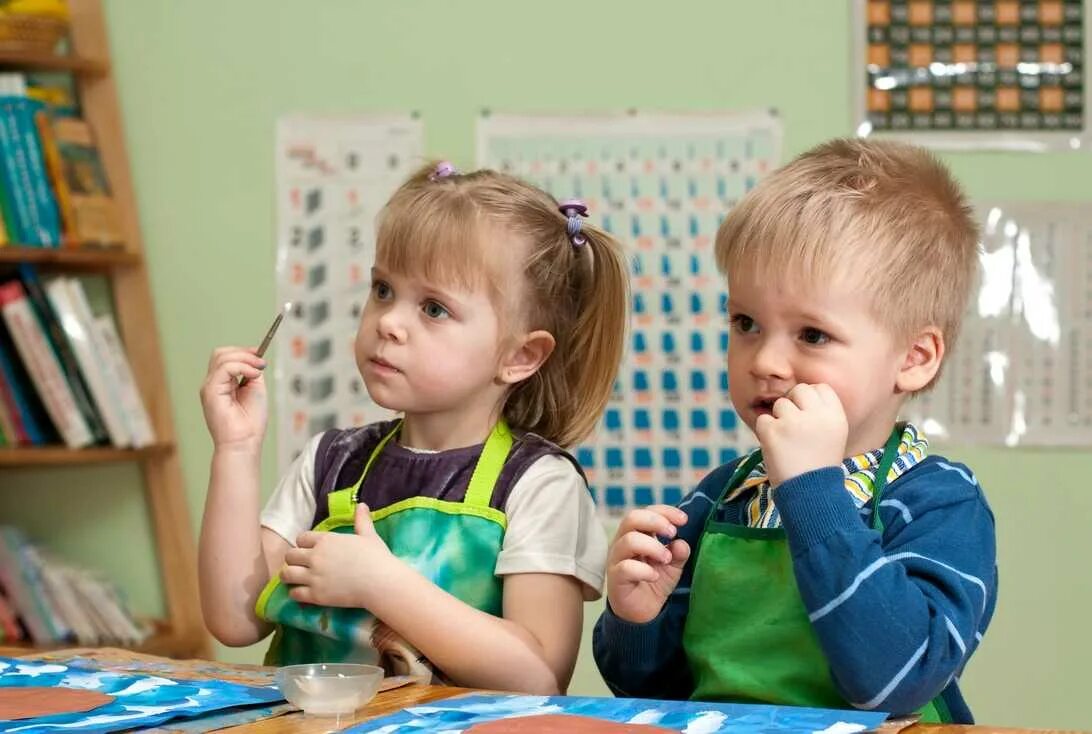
453, 544
747, 637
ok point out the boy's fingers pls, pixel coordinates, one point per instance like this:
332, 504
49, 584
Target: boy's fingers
649, 520
639, 545
783, 406
827, 395
680, 553
673, 514
633, 571
804, 396
763, 425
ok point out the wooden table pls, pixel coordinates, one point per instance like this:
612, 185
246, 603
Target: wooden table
389, 702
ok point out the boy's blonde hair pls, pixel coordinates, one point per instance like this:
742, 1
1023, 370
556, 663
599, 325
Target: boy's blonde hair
460, 228
888, 215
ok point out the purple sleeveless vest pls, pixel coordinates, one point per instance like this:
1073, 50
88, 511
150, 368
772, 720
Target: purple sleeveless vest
398, 473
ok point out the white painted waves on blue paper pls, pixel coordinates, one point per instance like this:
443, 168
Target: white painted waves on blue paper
139, 700
456, 715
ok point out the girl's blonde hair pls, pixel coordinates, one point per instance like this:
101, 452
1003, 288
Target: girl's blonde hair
460, 229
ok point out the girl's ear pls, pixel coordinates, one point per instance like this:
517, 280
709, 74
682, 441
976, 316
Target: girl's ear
529, 354
922, 361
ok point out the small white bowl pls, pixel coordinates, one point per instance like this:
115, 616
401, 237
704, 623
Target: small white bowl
329, 689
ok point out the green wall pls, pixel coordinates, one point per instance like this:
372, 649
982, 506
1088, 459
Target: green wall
202, 84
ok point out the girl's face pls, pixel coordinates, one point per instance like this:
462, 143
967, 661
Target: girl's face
426, 349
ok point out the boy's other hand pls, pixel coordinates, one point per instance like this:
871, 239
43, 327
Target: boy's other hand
642, 571
807, 431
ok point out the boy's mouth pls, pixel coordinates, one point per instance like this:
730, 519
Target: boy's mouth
764, 406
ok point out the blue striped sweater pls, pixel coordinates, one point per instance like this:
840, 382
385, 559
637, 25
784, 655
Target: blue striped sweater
897, 615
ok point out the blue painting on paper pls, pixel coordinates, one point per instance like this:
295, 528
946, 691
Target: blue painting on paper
455, 715
139, 700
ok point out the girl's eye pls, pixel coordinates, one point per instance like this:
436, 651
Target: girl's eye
744, 324
382, 290
435, 311
811, 335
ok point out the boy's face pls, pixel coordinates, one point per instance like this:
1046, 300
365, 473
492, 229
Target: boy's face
790, 332
426, 349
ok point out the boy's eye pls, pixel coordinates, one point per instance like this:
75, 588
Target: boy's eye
434, 310
382, 290
744, 324
811, 335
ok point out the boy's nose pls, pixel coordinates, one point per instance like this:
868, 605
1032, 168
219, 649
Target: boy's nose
771, 362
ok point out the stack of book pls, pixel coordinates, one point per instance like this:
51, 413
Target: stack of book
64, 374
47, 602
53, 186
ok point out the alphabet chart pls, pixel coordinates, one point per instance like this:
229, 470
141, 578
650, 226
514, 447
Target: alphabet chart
333, 177
662, 184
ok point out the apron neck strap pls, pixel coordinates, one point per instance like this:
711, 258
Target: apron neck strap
890, 453
479, 492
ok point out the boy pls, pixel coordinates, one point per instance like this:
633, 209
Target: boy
839, 565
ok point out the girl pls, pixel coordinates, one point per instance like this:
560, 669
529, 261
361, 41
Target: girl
495, 327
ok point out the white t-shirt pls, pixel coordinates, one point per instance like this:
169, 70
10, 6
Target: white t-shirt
552, 523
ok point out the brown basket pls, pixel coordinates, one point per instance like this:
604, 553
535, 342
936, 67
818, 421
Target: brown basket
31, 32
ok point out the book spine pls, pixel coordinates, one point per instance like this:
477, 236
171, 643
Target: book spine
78, 333
33, 571
55, 335
33, 223
39, 176
10, 425
14, 190
139, 420
55, 166
15, 583
32, 413
42, 365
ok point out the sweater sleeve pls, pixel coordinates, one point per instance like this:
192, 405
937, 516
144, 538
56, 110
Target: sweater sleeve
647, 660
897, 614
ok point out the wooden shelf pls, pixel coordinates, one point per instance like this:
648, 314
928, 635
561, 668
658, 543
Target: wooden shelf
68, 258
163, 642
63, 456
53, 62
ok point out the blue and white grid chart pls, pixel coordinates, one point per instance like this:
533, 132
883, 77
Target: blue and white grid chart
333, 177
662, 184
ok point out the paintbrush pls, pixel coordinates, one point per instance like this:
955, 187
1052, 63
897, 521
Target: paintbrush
269, 336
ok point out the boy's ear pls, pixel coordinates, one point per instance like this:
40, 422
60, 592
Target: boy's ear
528, 354
922, 362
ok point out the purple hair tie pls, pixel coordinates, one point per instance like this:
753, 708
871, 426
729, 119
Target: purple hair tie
574, 209
443, 170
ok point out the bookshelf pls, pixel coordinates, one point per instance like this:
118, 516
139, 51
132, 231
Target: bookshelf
181, 632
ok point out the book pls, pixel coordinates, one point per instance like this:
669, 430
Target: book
86, 346
61, 591
27, 601
97, 218
10, 434
52, 156
14, 189
43, 366
57, 339
34, 568
33, 418
45, 201
35, 209
140, 423
9, 620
